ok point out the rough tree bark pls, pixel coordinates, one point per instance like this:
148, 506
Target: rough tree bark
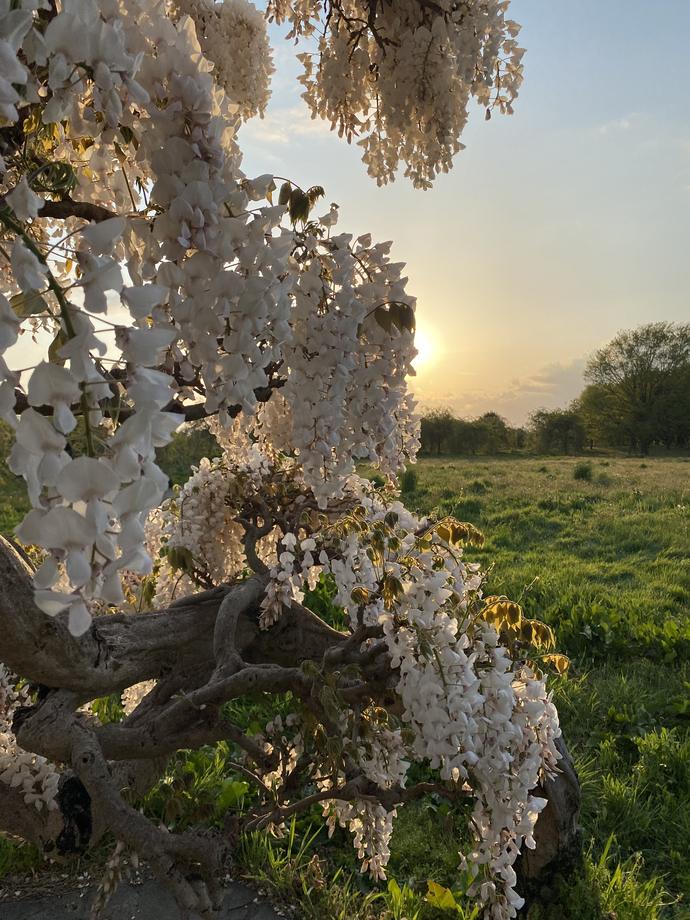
202, 651
557, 833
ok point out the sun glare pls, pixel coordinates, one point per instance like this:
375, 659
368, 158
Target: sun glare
425, 347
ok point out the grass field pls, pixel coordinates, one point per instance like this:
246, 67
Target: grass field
604, 558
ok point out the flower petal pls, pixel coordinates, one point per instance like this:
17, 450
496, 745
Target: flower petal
102, 236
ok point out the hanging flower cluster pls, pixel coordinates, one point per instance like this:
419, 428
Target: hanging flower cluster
232, 35
354, 367
224, 302
133, 695
485, 722
34, 776
400, 76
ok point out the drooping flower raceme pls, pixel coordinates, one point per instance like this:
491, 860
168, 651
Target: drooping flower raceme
35, 776
401, 80
486, 723
232, 35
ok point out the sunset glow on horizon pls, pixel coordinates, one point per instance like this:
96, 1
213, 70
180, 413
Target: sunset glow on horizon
557, 227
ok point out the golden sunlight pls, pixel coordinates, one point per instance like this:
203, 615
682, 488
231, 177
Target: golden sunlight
426, 349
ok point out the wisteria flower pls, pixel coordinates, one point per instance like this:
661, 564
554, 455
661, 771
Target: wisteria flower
142, 346
101, 237
29, 272
25, 203
9, 325
52, 385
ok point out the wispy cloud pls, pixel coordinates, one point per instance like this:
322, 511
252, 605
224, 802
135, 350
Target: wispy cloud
621, 124
284, 126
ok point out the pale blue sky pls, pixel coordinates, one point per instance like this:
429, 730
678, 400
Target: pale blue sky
557, 227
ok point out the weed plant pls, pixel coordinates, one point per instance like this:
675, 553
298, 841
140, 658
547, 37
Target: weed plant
409, 481
583, 470
14, 501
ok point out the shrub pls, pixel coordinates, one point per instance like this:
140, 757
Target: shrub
583, 470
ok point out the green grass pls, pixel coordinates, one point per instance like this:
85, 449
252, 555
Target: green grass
17, 856
608, 556
605, 561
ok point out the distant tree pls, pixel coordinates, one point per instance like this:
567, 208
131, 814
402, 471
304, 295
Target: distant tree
557, 429
672, 415
437, 429
467, 437
642, 370
442, 431
603, 418
188, 445
495, 433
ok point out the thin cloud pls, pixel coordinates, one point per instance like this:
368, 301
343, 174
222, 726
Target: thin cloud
621, 124
283, 126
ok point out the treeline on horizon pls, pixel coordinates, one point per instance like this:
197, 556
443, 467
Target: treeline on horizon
637, 394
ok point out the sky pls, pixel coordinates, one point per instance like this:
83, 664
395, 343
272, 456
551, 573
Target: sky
557, 227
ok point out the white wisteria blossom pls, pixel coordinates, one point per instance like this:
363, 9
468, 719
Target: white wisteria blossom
34, 777
175, 288
400, 76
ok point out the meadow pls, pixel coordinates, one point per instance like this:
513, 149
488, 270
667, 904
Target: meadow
599, 549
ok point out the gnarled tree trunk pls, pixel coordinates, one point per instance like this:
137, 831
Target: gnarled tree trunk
203, 651
557, 833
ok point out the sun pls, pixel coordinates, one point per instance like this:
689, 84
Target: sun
425, 348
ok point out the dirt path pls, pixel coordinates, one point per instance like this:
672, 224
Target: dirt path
135, 900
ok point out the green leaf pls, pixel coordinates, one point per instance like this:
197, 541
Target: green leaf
403, 317
383, 318
54, 177
28, 303
394, 888
560, 662
230, 794
299, 206
285, 191
441, 897
443, 532
128, 136
359, 595
180, 559
57, 343
314, 193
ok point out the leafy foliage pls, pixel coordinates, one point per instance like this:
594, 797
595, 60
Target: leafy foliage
556, 430
643, 375
442, 431
583, 470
